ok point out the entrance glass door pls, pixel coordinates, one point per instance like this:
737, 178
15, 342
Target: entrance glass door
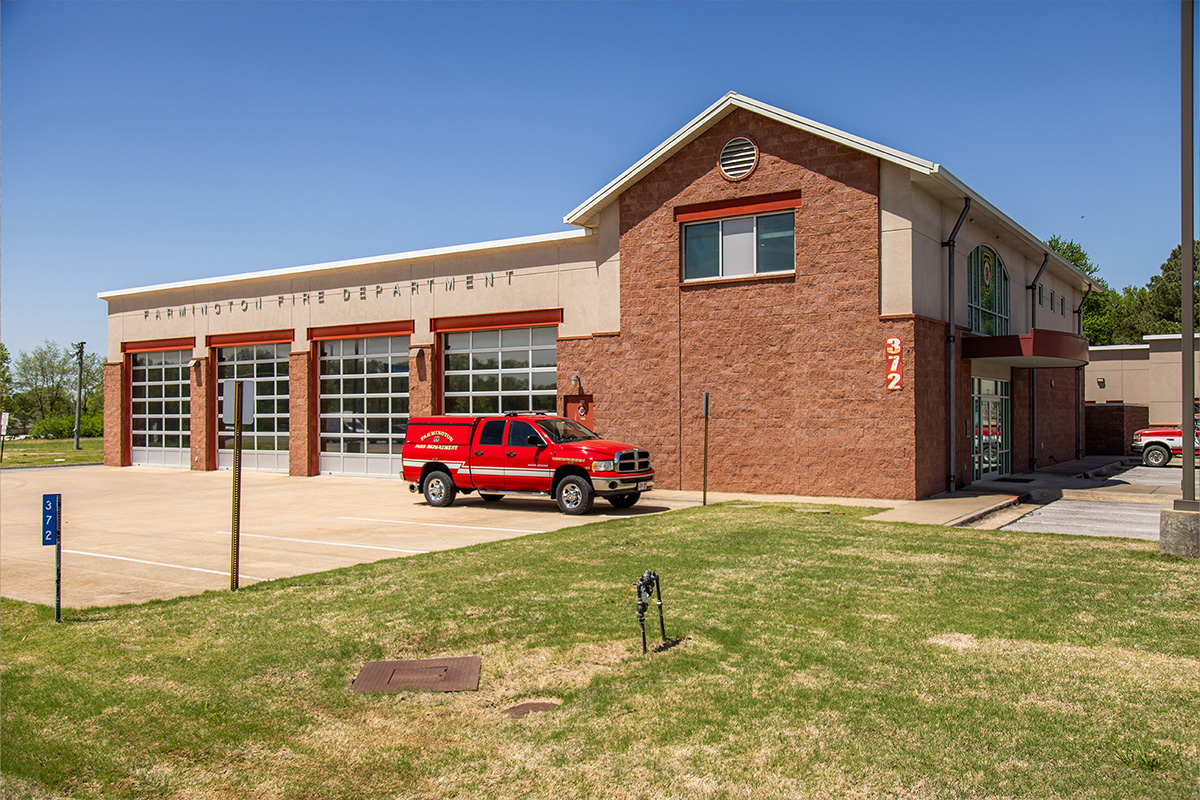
991, 450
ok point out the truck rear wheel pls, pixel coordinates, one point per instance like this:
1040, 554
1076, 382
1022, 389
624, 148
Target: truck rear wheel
440, 490
1156, 456
624, 500
574, 495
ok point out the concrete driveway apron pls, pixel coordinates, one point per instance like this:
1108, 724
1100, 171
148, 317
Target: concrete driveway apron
141, 533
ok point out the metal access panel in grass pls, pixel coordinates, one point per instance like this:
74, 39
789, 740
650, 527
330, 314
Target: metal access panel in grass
431, 675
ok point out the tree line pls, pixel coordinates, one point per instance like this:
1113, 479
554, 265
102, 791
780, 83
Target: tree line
1124, 316
38, 390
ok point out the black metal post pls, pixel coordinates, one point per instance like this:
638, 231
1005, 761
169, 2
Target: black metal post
58, 568
661, 625
237, 485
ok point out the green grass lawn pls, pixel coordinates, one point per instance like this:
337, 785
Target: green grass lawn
49, 452
813, 655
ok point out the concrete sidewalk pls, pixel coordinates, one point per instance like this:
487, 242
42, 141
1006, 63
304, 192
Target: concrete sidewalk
1095, 478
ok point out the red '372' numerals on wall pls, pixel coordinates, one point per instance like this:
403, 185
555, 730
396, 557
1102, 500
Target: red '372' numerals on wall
895, 372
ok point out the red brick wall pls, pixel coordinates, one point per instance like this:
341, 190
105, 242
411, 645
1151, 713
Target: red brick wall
302, 437
1057, 417
795, 365
927, 374
116, 415
203, 408
420, 381
1109, 427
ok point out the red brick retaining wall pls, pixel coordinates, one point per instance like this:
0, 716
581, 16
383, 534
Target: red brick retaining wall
1110, 426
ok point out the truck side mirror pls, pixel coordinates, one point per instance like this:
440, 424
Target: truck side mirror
534, 441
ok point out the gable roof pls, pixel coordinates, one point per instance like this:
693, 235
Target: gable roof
932, 177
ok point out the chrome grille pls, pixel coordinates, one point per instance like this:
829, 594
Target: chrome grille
633, 461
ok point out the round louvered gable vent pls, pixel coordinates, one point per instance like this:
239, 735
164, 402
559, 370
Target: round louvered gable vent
738, 158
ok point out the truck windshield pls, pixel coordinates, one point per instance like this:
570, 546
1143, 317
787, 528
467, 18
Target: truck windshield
565, 430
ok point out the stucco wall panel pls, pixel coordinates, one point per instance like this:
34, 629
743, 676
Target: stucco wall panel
550, 274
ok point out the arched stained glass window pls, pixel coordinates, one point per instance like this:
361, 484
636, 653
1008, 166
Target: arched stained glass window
987, 292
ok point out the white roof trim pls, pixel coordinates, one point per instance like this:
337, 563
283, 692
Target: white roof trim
584, 215
1119, 347
1164, 336
412, 255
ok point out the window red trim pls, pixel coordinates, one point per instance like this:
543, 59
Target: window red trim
780, 201
150, 345
510, 319
250, 337
365, 330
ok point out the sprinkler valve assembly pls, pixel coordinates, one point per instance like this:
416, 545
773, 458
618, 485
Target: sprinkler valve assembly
649, 582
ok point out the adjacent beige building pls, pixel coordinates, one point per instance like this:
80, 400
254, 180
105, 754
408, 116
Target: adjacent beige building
1146, 374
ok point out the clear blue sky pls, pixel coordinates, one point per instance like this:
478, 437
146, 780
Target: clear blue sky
148, 142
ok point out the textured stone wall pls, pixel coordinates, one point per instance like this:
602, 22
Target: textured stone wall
203, 410
420, 381
302, 438
794, 364
926, 377
116, 416
1057, 418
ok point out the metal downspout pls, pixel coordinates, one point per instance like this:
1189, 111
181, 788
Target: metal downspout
951, 339
1033, 372
1079, 381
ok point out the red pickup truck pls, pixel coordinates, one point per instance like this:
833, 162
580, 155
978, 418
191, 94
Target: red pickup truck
1157, 445
522, 454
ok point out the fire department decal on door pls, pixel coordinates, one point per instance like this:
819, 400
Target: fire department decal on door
895, 374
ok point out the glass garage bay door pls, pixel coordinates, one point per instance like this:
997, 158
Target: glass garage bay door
490, 372
265, 443
363, 405
161, 417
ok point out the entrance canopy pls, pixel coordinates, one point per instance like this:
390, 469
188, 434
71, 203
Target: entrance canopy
1040, 349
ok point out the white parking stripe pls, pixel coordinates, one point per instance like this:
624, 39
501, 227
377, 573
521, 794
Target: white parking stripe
331, 544
438, 525
160, 564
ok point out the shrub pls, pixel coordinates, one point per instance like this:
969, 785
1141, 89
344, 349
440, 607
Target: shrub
62, 426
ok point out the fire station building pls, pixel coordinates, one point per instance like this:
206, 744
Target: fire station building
863, 322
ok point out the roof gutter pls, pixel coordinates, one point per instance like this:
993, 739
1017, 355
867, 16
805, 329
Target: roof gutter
1033, 387
1079, 311
952, 426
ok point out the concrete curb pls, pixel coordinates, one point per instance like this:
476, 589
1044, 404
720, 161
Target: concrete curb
975, 516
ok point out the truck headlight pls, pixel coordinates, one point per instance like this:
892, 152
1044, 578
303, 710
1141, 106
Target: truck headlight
603, 466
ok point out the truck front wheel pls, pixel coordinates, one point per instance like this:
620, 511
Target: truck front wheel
574, 495
624, 500
1156, 456
440, 489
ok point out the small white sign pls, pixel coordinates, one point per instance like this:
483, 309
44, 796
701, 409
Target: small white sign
227, 406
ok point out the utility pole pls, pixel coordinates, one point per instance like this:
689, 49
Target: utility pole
78, 390
1187, 265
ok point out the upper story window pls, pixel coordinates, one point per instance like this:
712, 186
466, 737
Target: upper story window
987, 292
752, 245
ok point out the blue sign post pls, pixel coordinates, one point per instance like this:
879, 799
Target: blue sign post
52, 535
